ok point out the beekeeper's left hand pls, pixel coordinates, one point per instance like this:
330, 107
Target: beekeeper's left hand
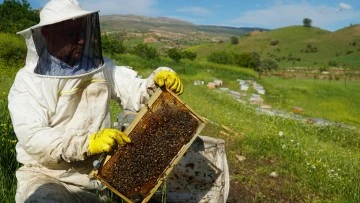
170, 80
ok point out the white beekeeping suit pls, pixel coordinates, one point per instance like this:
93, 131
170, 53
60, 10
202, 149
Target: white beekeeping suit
53, 113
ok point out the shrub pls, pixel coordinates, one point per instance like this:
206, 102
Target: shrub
274, 42
145, 51
112, 45
311, 48
234, 40
243, 60
174, 54
332, 63
188, 55
268, 65
221, 57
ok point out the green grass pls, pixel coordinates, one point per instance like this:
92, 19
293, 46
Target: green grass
332, 100
7, 155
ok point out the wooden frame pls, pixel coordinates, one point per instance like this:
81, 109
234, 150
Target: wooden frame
148, 111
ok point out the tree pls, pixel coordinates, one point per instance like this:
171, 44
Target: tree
221, 57
146, 51
268, 65
234, 40
243, 60
188, 55
16, 16
255, 60
174, 54
307, 22
112, 45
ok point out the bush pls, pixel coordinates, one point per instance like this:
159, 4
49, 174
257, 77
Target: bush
221, 57
112, 45
234, 40
145, 51
311, 48
332, 63
174, 54
268, 65
248, 60
188, 55
274, 42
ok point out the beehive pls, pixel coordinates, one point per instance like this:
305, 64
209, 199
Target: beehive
160, 135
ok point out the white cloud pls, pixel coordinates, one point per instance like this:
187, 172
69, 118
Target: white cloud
139, 7
194, 10
344, 6
282, 15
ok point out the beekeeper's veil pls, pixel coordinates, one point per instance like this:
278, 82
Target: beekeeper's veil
67, 32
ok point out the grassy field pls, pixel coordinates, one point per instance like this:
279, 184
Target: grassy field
311, 163
333, 100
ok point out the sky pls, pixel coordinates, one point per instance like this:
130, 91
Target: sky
271, 14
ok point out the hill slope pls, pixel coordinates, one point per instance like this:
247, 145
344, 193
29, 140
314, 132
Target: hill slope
298, 46
172, 28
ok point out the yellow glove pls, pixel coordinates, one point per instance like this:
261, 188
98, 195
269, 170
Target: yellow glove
105, 139
170, 80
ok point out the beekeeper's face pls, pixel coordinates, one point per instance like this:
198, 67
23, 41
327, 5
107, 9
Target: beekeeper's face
65, 40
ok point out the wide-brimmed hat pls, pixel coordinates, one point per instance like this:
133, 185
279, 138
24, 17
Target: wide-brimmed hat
56, 11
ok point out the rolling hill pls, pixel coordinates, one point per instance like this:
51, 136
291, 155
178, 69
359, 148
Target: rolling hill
297, 46
172, 32
292, 46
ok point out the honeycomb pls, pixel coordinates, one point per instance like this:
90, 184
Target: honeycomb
163, 132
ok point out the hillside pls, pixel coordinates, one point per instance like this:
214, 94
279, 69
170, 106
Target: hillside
170, 32
295, 46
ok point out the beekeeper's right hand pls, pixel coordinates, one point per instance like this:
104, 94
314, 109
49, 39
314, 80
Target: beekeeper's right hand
105, 140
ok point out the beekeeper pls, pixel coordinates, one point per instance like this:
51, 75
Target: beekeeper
59, 104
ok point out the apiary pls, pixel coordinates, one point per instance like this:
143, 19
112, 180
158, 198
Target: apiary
160, 134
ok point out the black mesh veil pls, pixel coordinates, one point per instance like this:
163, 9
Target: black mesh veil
69, 47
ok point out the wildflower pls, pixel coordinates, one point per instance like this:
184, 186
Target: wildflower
281, 133
284, 147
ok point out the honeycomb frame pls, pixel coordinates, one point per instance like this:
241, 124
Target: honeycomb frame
151, 120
